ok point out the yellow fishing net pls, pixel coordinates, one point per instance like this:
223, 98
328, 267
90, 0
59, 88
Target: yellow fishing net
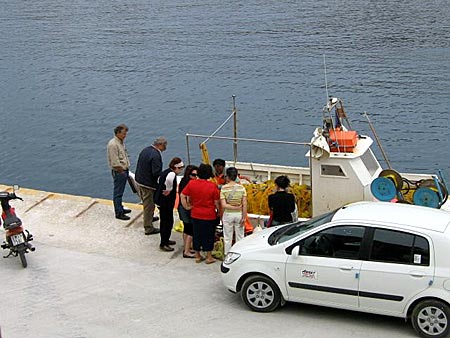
258, 201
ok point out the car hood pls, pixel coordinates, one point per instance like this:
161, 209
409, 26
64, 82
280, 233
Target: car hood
257, 240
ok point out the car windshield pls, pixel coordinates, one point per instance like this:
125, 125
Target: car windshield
293, 230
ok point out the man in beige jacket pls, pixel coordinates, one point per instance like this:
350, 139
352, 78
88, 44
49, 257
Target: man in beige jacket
119, 163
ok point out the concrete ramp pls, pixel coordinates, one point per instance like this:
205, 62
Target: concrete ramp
88, 224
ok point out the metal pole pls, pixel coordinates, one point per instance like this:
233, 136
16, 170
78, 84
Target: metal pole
378, 140
187, 146
235, 150
311, 180
249, 139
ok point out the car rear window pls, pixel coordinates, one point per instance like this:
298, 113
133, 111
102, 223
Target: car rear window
399, 247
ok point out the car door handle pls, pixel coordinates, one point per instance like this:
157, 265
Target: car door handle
346, 268
417, 274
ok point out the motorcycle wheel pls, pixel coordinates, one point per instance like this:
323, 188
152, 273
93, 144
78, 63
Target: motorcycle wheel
23, 259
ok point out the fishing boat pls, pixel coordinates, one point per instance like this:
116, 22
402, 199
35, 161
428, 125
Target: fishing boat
342, 169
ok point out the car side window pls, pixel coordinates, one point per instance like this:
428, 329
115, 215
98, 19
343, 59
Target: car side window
421, 251
399, 247
336, 242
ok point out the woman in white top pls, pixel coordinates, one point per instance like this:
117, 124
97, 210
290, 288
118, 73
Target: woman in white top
165, 196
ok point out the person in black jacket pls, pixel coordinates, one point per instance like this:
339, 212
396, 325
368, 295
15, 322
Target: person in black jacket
148, 169
190, 173
165, 197
282, 203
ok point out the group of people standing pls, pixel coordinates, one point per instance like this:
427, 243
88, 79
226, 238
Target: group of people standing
207, 196
147, 177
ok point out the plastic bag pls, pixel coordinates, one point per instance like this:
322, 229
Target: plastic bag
218, 249
179, 226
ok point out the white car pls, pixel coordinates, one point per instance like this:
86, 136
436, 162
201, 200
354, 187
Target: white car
377, 257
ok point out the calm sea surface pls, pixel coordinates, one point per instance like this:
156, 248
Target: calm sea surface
72, 70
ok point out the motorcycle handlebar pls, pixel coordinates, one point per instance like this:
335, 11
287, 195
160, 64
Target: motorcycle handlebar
13, 196
9, 196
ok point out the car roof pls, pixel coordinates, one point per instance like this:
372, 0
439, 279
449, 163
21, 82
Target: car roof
398, 213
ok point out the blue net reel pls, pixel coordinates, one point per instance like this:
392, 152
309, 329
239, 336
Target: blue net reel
430, 193
387, 186
383, 189
390, 186
426, 197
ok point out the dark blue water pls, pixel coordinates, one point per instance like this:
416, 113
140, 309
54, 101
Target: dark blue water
72, 70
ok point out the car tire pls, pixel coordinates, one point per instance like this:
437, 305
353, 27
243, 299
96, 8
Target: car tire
431, 318
260, 294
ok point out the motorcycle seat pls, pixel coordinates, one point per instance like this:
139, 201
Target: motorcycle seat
11, 222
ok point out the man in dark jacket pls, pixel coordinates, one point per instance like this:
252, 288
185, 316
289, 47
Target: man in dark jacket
148, 169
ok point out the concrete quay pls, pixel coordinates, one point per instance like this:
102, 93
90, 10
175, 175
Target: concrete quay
94, 276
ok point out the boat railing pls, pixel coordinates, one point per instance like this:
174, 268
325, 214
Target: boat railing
257, 171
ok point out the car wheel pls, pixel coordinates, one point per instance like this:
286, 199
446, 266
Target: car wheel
430, 318
261, 294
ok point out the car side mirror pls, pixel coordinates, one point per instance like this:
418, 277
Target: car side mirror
296, 250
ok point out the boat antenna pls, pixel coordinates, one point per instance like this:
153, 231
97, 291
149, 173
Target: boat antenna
327, 120
235, 143
326, 80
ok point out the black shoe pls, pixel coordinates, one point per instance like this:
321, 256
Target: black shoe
166, 248
155, 219
152, 232
123, 217
172, 242
126, 211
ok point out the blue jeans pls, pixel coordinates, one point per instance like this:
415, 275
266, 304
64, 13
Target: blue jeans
120, 180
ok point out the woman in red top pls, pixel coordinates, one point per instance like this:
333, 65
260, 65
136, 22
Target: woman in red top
202, 198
